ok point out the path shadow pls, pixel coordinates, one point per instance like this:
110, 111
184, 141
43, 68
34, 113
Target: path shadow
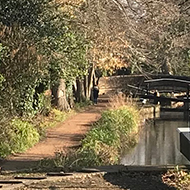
137, 180
133, 177
15, 165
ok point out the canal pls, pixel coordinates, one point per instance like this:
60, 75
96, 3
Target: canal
158, 145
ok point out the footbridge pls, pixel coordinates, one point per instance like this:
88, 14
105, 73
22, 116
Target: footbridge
172, 86
167, 90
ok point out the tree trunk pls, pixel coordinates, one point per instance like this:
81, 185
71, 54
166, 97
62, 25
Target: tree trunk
86, 86
80, 94
90, 82
63, 104
59, 98
54, 98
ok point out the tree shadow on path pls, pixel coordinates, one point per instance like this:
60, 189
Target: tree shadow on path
137, 180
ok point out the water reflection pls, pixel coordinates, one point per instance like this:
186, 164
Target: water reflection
157, 145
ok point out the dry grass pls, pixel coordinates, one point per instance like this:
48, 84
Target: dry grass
120, 100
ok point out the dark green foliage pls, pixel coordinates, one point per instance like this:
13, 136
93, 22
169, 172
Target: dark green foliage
23, 12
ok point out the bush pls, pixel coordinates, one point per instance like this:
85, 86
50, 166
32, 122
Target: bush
43, 105
17, 136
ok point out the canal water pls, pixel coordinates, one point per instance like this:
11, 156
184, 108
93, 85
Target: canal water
158, 145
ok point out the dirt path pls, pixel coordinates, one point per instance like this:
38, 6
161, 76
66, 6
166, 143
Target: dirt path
66, 135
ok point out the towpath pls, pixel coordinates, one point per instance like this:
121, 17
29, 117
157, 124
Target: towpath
67, 134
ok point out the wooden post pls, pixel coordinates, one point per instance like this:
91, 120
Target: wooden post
186, 106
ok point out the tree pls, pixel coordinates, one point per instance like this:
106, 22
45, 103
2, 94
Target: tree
145, 33
40, 49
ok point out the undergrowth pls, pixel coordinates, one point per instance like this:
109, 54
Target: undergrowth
81, 105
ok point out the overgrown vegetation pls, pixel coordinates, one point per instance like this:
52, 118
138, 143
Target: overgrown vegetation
38, 47
115, 132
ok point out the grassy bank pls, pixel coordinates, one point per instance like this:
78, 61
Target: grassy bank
19, 134
115, 132
16, 136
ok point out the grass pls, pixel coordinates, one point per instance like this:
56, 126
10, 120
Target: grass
17, 135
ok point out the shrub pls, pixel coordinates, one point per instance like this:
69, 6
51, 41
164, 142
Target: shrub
17, 136
44, 104
24, 136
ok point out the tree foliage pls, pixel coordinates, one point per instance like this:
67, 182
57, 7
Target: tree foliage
47, 40
40, 47
146, 36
